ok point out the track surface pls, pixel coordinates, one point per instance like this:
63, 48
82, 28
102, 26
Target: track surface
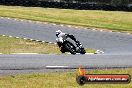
106, 41
117, 47
39, 63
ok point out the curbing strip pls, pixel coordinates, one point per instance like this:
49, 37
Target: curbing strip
24, 53
29, 39
97, 51
17, 37
3, 35
19, 53
56, 67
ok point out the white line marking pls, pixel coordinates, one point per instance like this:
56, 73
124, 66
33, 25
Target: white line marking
49, 23
101, 30
54, 24
3, 35
56, 66
10, 36
118, 32
29, 21
50, 42
38, 22
45, 23
17, 37
37, 40
22, 20
25, 38
24, 53
61, 25
15, 19
128, 33
31, 39
69, 25
89, 53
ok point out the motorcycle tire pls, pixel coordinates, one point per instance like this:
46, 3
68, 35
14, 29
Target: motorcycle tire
81, 80
70, 47
62, 50
82, 51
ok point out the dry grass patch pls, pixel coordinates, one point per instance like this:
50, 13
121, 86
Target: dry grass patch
114, 20
58, 80
13, 45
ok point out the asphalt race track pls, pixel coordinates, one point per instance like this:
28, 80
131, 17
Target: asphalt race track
117, 47
11, 64
106, 41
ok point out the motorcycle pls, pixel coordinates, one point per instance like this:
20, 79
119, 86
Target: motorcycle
69, 45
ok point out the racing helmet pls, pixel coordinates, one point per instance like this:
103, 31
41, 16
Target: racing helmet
58, 32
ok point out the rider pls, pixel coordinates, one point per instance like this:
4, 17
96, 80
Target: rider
60, 35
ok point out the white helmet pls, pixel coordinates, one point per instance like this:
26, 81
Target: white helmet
58, 32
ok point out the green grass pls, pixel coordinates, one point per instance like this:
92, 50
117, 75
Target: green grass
114, 20
12, 45
58, 80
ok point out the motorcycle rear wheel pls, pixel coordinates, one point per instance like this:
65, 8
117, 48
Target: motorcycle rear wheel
70, 47
83, 51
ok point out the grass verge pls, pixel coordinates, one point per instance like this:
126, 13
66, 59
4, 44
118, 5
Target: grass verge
114, 20
12, 45
58, 80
